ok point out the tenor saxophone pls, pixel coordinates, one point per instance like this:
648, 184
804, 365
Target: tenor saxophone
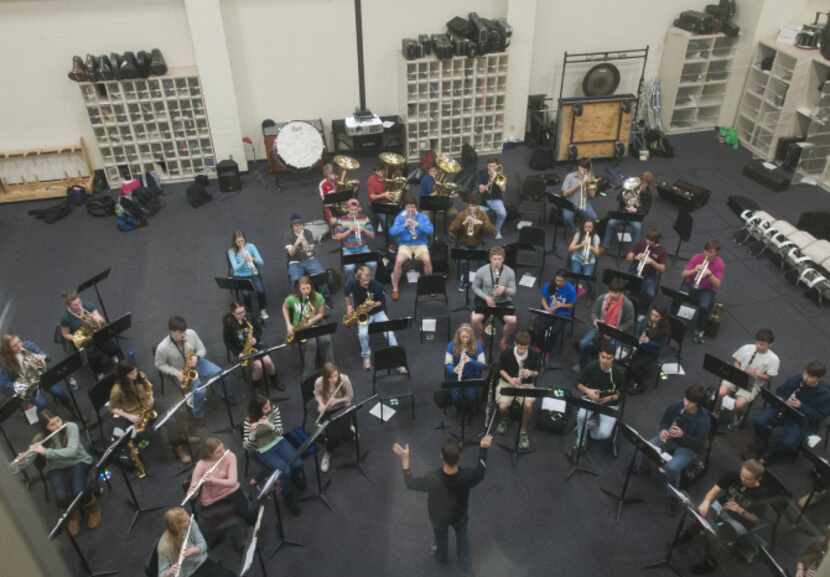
248, 347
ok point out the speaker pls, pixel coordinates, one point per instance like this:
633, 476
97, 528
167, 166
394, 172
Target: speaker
776, 179
227, 173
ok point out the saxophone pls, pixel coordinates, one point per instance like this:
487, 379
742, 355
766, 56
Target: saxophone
32, 367
89, 326
248, 348
360, 314
190, 374
147, 412
305, 322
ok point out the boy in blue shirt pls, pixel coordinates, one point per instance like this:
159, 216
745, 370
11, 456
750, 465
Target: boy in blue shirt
558, 300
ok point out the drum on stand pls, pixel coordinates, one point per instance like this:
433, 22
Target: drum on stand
299, 145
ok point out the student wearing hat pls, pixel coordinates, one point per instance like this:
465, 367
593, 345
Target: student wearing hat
299, 244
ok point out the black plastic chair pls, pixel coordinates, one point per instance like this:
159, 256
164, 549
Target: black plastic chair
390, 359
432, 287
532, 238
697, 469
58, 339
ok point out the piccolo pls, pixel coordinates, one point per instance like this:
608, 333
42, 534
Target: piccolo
184, 547
22, 456
192, 493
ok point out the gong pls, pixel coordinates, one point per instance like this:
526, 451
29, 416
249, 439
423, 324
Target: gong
601, 80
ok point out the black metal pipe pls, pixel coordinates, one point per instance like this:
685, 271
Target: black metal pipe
361, 79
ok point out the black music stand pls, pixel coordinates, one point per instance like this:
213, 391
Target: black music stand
689, 511
254, 548
562, 204
626, 340
333, 198
679, 297
266, 489
773, 565
782, 406
591, 407
391, 325
360, 258
821, 477
352, 410
236, 285
61, 372
625, 219
683, 225
111, 332
490, 315
302, 450
313, 332
469, 255
62, 523
726, 371
462, 414
543, 313
93, 282
633, 283
438, 206
640, 445
258, 355
133, 499
522, 393
386, 210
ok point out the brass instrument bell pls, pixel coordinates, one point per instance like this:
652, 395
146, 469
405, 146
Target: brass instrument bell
346, 163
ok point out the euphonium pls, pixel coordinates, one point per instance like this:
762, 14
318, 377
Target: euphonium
32, 367
360, 314
190, 374
89, 326
248, 347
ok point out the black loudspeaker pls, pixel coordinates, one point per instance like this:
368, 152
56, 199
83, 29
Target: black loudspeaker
683, 225
776, 179
227, 173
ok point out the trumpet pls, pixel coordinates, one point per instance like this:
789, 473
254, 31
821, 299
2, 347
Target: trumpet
701, 273
499, 179
586, 250
25, 454
471, 222
643, 256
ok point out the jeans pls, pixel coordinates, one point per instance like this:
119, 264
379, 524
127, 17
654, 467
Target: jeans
309, 352
649, 286
310, 266
206, 370
579, 268
705, 299
601, 431
348, 269
280, 456
462, 544
497, 206
635, 228
568, 217
363, 334
681, 458
788, 437
68, 482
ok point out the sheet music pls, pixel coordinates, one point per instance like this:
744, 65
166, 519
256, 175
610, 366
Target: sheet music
388, 412
412, 276
523, 223
527, 281
728, 403
554, 405
672, 369
248, 560
686, 312
428, 325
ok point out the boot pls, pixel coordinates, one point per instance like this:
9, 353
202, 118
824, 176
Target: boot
74, 523
78, 72
299, 480
275, 382
93, 512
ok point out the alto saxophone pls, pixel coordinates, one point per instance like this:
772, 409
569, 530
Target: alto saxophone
248, 347
360, 314
189, 374
89, 326
147, 412
305, 322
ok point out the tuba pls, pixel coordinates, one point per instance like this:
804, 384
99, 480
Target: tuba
394, 182
248, 347
360, 314
89, 326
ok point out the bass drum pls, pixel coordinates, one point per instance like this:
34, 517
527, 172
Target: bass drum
299, 145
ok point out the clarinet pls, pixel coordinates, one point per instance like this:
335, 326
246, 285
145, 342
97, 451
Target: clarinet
794, 395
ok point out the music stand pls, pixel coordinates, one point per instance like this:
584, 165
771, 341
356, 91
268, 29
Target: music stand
360, 258
559, 319
490, 315
782, 406
258, 355
462, 414
111, 332
253, 548
773, 565
7, 409
678, 298
436, 205
625, 219
61, 372
640, 444
726, 371
683, 225
93, 282
337, 197
523, 392
689, 510
266, 489
590, 407
821, 476
633, 283
133, 499
352, 410
467, 255
626, 340
62, 523
386, 210
303, 449
312, 332
236, 285
562, 204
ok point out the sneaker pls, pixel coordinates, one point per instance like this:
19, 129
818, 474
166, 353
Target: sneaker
367, 364
325, 462
524, 441
263, 314
698, 337
501, 428
402, 370
73, 383
499, 236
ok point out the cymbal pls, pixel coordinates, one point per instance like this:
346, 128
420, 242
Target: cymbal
346, 162
447, 164
391, 158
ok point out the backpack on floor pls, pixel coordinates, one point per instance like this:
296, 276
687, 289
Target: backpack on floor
100, 205
52, 214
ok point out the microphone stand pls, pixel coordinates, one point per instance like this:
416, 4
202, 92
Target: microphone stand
266, 489
61, 523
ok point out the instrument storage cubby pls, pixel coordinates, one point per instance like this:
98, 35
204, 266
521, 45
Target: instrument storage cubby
156, 123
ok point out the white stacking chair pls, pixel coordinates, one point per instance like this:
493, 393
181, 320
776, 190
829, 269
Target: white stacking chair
796, 243
775, 235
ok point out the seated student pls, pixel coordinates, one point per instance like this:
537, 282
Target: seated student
684, 428
77, 318
328, 186
411, 231
805, 392
246, 262
366, 289
518, 367
22, 363
654, 333
558, 299
469, 228
492, 193
354, 231
427, 185
132, 403
464, 359
377, 194
66, 466
760, 363
584, 251
333, 391
576, 188
600, 381
651, 252
494, 285
702, 277
634, 198
263, 435
237, 329
172, 545
734, 505
299, 244
302, 309
614, 309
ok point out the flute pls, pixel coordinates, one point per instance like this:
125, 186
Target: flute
184, 547
204, 477
22, 456
337, 390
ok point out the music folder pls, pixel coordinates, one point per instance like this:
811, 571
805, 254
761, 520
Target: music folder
633, 283
618, 335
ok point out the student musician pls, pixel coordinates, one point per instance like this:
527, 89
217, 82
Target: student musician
634, 199
221, 485
427, 184
653, 334
600, 381
613, 309
328, 186
354, 231
584, 250
648, 259
302, 309
377, 194
411, 231
367, 295
760, 363
131, 403
247, 263
469, 227
67, 468
242, 334
299, 245
333, 391
172, 548
778, 432
22, 363
179, 354
464, 360
494, 286
77, 320
558, 300
492, 186
518, 367
702, 277
263, 435
579, 187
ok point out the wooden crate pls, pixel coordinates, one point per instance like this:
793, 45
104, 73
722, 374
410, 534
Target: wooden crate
594, 127
43, 173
